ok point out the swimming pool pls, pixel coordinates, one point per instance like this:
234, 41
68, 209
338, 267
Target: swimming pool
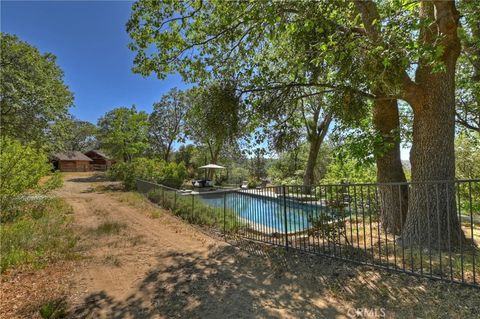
266, 214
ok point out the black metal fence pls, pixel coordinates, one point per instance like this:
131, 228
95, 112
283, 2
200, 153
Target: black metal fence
427, 229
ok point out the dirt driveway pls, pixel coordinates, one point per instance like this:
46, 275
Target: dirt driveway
163, 268
141, 262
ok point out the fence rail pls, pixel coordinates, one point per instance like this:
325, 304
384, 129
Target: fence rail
425, 229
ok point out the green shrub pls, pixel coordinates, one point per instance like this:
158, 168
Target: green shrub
41, 234
54, 309
253, 183
349, 170
21, 168
161, 172
55, 181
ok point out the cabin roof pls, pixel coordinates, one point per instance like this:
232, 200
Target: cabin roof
99, 153
71, 156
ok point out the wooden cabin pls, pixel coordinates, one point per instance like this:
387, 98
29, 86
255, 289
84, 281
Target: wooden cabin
100, 161
71, 162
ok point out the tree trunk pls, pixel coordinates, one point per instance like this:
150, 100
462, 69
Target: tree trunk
432, 218
393, 198
166, 156
316, 139
309, 174
214, 155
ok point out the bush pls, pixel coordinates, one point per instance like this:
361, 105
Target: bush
253, 183
349, 170
54, 181
41, 234
161, 172
54, 309
21, 168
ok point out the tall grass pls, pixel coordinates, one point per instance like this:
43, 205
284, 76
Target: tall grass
40, 233
193, 210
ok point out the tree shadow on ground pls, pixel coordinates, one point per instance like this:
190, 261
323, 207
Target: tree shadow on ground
228, 283
251, 280
97, 177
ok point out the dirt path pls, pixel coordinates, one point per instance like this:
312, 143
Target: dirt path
149, 268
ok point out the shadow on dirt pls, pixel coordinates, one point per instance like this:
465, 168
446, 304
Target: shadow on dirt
230, 283
250, 280
98, 177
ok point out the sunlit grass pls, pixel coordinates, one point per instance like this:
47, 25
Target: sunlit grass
39, 235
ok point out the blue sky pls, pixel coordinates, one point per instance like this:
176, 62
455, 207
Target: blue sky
90, 42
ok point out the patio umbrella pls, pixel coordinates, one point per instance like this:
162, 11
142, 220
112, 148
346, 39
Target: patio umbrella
211, 166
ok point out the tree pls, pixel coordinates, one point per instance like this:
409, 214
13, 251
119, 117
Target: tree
124, 132
215, 118
33, 95
167, 121
257, 165
81, 136
185, 154
293, 115
431, 94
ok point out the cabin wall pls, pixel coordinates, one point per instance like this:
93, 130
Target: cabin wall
74, 166
98, 163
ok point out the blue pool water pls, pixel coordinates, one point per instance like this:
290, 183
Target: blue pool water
265, 214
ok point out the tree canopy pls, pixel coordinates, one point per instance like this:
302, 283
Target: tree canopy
167, 121
33, 94
123, 132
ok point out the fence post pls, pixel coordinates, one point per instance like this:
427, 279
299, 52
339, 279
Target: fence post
163, 197
174, 200
193, 208
224, 213
285, 214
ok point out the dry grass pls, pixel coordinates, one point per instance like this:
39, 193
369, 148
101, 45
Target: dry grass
109, 228
368, 243
139, 201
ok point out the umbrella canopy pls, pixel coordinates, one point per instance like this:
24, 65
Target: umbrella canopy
212, 166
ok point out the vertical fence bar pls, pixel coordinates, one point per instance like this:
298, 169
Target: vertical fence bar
285, 215
355, 203
457, 189
439, 234
449, 231
392, 194
193, 208
429, 232
224, 214
471, 229
322, 218
174, 200
401, 224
